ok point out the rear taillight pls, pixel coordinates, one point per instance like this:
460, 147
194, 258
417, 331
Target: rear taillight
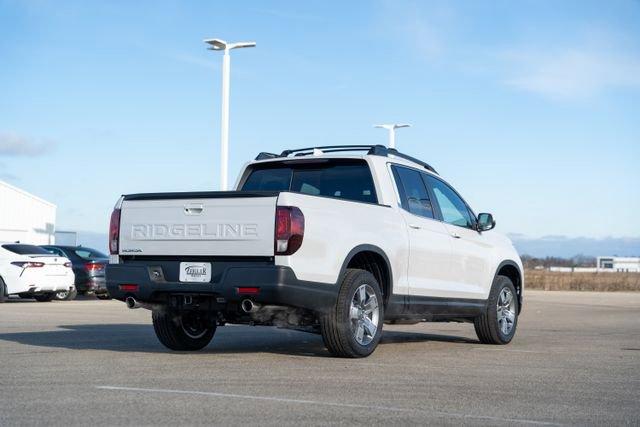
289, 230
28, 264
114, 232
91, 266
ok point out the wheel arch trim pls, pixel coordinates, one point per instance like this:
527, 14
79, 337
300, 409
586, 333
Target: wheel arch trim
511, 263
368, 248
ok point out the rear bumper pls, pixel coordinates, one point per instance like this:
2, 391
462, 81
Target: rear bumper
277, 285
93, 284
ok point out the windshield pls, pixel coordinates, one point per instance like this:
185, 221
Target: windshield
350, 179
26, 249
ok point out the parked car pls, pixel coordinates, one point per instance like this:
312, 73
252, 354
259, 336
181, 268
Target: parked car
31, 272
88, 266
324, 239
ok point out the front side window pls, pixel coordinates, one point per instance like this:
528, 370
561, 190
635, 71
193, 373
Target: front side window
413, 193
350, 180
454, 210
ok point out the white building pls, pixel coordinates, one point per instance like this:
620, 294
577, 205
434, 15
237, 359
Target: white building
614, 263
25, 217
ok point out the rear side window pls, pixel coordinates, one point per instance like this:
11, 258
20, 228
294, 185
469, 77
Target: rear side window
25, 249
349, 180
413, 193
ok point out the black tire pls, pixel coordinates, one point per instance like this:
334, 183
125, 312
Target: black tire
3, 291
103, 296
66, 295
45, 297
336, 326
487, 326
188, 331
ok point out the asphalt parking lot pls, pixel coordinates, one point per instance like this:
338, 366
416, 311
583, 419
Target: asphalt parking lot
575, 360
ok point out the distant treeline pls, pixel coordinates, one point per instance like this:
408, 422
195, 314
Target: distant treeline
576, 261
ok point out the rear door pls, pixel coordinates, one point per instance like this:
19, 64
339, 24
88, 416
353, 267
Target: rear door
211, 224
429, 271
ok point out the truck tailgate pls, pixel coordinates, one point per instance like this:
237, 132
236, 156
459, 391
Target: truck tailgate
234, 225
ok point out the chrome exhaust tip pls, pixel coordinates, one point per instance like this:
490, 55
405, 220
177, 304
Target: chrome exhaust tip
249, 306
132, 303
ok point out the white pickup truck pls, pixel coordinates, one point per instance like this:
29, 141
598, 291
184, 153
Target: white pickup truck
336, 240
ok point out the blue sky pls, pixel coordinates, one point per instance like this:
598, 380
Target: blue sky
531, 109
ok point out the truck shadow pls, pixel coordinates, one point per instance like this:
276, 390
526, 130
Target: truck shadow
228, 339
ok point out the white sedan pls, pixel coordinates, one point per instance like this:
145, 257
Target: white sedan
32, 272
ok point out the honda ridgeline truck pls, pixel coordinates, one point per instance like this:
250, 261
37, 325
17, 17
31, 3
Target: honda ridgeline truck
336, 240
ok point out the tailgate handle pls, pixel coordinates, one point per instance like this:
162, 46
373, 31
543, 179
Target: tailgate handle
193, 209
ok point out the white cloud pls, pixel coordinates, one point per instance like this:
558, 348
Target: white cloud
420, 27
572, 73
12, 144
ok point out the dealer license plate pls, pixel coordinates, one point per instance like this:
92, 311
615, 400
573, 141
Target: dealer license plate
199, 272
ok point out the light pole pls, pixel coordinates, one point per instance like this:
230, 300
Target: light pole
392, 131
217, 44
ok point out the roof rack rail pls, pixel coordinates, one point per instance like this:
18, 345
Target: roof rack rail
327, 149
374, 150
264, 155
396, 153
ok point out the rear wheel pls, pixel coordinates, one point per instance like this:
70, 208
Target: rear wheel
188, 331
3, 291
497, 325
354, 326
67, 295
44, 297
103, 296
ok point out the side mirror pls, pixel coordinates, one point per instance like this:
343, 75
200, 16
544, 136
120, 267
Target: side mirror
486, 222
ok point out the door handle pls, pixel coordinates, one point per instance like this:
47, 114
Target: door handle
193, 209
455, 235
414, 226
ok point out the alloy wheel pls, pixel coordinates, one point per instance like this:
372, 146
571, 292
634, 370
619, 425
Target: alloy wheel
506, 311
364, 314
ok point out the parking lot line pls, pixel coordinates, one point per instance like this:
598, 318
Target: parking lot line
322, 403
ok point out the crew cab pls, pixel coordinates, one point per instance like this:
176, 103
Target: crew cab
336, 240
31, 272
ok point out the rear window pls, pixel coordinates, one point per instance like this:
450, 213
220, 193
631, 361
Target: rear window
26, 249
89, 254
349, 180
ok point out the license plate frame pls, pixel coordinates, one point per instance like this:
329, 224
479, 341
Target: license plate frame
195, 272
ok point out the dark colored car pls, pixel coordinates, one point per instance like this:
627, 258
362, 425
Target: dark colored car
88, 267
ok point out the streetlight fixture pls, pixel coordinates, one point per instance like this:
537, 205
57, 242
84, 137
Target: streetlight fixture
392, 131
217, 44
